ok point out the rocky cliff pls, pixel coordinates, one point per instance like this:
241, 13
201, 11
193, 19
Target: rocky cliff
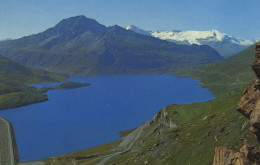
247, 155
249, 106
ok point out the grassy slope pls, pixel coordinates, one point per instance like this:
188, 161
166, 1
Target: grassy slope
202, 126
228, 75
14, 79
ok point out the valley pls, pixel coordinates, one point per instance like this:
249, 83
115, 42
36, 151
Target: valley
79, 86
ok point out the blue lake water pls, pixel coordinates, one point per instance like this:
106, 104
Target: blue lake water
75, 119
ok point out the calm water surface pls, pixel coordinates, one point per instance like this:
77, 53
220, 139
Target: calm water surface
75, 119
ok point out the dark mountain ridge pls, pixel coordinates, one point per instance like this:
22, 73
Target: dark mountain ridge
81, 46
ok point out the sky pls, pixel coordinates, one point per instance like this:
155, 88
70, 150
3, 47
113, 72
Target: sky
239, 18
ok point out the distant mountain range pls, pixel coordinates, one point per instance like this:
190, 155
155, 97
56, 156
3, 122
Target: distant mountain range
225, 44
81, 46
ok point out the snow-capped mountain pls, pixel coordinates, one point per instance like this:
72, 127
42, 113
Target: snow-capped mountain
225, 44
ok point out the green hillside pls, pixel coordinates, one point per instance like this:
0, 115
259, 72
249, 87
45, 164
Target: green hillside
226, 76
14, 79
202, 126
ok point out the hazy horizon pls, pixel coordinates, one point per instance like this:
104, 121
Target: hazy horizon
235, 17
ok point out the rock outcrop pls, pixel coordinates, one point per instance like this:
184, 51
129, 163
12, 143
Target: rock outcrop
247, 155
163, 121
226, 156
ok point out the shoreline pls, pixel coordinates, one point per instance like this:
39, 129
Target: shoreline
177, 77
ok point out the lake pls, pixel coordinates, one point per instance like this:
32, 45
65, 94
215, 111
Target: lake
76, 119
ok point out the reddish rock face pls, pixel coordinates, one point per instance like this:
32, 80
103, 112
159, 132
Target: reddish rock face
249, 103
250, 153
250, 96
226, 156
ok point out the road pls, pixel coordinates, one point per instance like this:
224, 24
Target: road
132, 137
6, 144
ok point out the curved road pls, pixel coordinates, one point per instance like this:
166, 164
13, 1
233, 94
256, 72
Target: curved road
132, 137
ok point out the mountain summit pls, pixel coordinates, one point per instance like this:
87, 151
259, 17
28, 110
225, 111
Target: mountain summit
77, 25
81, 46
225, 44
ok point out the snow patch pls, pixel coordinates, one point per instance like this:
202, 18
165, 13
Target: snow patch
128, 27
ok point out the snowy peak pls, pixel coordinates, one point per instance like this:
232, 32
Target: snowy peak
225, 44
197, 37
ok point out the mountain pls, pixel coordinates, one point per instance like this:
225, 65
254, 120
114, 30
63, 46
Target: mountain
225, 44
14, 79
81, 46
